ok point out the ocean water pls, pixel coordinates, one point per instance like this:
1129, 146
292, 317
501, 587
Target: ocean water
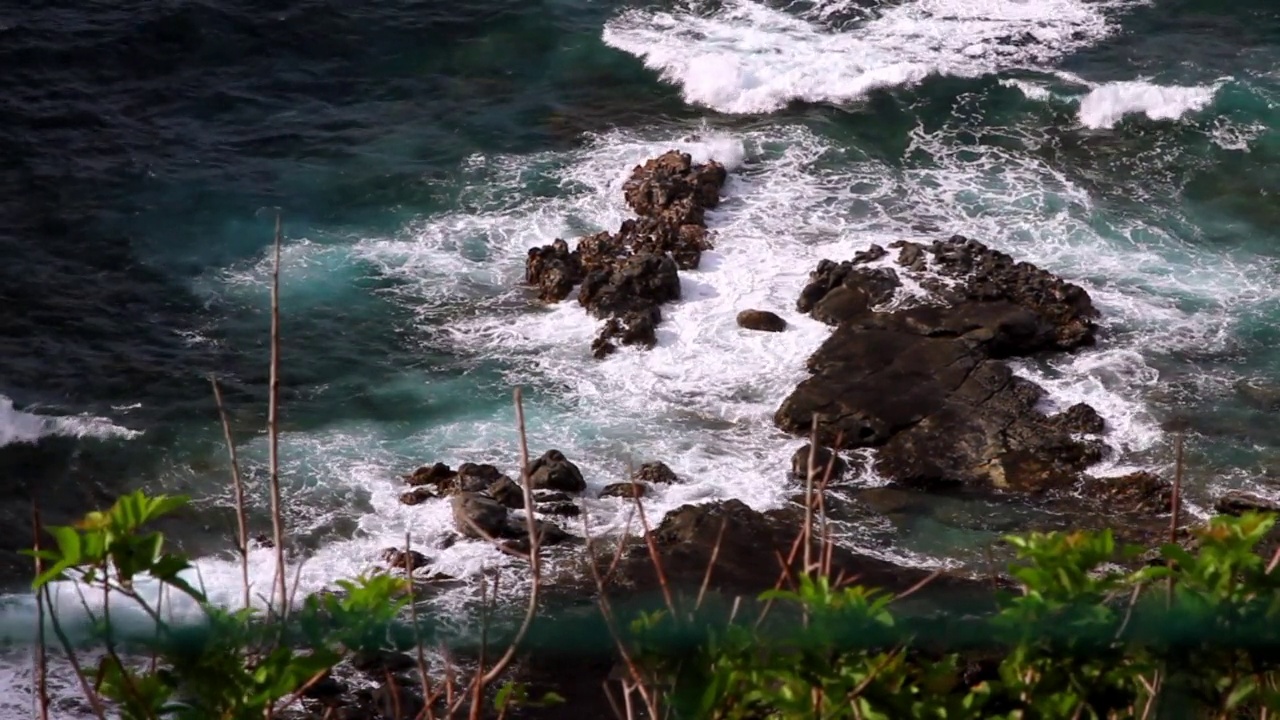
416, 151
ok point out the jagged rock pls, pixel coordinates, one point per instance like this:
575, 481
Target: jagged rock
398, 558
327, 690
685, 243
433, 475
476, 515
417, 496
629, 490
1237, 502
761, 320
822, 457
554, 270
870, 255
638, 327
507, 492
633, 285
1080, 418
670, 178
1141, 492
910, 255
926, 384
655, 472
553, 471
601, 251
844, 291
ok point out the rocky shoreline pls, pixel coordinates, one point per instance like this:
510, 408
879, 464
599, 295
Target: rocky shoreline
916, 370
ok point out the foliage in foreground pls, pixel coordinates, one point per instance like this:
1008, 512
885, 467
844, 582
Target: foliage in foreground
1075, 637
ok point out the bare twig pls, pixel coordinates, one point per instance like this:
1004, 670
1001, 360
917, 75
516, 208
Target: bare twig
483, 679
242, 532
711, 563
918, 586
809, 476
1176, 506
654, 557
421, 659
41, 662
273, 427
90, 695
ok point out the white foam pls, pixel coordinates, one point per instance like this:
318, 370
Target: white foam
24, 427
1029, 90
742, 56
1105, 105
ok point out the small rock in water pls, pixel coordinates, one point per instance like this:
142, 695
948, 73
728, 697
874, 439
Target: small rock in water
398, 558
630, 490
433, 475
417, 496
564, 509
761, 320
553, 471
821, 458
655, 472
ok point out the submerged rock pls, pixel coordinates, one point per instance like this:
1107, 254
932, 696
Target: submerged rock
1238, 502
408, 561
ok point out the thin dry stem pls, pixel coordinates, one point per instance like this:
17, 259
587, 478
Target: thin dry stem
237, 483
654, 557
273, 428
1176, 506
812, 472
421, 659
41, 661
90, 695
711, 564
482, 680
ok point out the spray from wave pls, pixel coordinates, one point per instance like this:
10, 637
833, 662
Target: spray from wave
24, 427
743, 56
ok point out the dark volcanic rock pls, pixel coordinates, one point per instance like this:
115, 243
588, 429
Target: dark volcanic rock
554, 270
661, 185
398, 558
746, 561
655, 472
476, 515
1141, 492
553, 471
1238, 503
871, 254
762, 320
634, 285
433, 475
821, 458
507, 492
638, 327
1080, 418
624, 277
417, 496
629, 490
926, 384
563, 509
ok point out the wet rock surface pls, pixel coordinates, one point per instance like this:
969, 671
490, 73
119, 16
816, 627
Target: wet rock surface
553, 471
623, 278
761, 320
926, 383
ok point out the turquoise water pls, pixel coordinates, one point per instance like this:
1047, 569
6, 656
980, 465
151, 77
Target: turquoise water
417, 150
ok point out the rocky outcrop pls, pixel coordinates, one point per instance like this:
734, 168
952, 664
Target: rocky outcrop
400, 559
655, 472
761, 320
478, 516
1237, 502
553, 471
628, 490
626, 276
926, 383
822, 458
